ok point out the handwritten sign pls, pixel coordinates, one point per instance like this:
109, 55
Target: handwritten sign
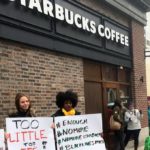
80, 132
30, 133
2, 144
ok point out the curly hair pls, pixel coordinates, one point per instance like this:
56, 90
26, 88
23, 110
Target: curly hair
61, 97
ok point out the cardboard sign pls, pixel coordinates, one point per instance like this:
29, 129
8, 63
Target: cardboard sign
2, 142
32, 133
80, 132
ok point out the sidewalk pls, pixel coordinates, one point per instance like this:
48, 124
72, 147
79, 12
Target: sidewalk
130, 146
143, 134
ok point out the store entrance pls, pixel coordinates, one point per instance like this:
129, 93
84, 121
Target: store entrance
103, 84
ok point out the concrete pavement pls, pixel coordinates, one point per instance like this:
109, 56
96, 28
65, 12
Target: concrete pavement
143, 134
130, 146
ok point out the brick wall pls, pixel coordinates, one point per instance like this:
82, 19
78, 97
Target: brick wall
138, 87
39, 74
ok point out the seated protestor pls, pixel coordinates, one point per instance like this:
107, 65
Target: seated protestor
66, 102
23, 107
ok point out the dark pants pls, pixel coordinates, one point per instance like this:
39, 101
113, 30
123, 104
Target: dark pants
119, 136
135, 135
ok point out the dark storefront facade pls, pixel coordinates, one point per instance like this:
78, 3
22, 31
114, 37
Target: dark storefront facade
94, 47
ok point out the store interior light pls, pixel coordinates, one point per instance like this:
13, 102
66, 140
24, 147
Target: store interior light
121, 67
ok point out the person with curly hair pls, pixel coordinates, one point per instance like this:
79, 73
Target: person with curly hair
23, 107
66, 102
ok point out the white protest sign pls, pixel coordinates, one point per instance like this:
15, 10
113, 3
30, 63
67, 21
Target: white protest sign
2, 143
81, 132
32, 133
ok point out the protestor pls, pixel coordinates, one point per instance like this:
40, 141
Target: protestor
66, 102
133, 118
23, 107
124, 109
118, 116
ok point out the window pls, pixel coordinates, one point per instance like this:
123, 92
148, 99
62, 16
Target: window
124, 93
109, 73
111, 95
123, 75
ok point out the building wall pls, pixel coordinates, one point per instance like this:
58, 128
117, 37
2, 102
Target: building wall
147, 48
38, 73
42, 73
106, 10
139, 92
147, 75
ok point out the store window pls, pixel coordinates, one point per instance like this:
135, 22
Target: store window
123, 75
124, 93
111, 95
109, 73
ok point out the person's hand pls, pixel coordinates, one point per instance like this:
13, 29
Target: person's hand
6, 136
52, 126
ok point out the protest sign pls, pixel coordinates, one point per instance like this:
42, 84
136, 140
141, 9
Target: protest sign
32, 133
81, 132
2, 143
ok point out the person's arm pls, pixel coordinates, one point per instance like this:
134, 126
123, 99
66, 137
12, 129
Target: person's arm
127, 117
139, 114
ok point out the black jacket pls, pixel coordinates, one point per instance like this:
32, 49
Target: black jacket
29, 113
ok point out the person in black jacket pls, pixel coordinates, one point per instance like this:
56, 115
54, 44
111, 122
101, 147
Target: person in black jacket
118, 116
66, 102
23, 107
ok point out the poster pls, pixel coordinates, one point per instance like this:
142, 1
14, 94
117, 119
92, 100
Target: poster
2, 142
32, 133
81, 132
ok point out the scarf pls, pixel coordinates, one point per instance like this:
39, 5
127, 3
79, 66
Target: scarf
68, 113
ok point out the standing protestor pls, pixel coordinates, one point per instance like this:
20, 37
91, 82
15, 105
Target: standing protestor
66, 102
133, 118
23, 107
118, 117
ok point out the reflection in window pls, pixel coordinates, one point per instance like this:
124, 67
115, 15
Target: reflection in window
124, 93
109, 73
111, 94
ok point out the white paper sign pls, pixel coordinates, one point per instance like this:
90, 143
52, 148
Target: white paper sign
32, 133
81, 132
2, 142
